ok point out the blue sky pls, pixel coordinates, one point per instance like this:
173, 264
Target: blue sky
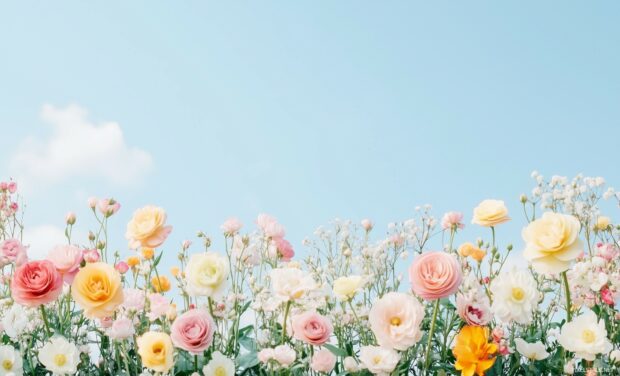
308, 110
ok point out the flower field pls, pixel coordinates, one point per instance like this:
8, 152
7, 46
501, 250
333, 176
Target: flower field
422, 298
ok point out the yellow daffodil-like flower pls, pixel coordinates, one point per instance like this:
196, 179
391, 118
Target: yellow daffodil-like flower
97, 289
160, 284
147, 228
156, 351
473, 353
490, 213
552, 242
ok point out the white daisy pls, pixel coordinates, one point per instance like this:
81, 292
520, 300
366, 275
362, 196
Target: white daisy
60, 356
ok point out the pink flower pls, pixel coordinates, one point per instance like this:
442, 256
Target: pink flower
158, 306
497, 334
607, 251
265, 355
90, 255
367, 224
106, 322
108, 206
607, 297
4, 186
474, 311
92, 202
122, 267
284, 355
36, 283
231, 226
133, 299
285, 249
67, 260
270, 226
435, 275
323, 361
193, 331
452, 220
121, 328
12, 187
12, 250
186, 244
312, 328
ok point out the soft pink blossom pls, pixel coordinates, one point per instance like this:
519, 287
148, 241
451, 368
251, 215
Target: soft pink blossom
323, 361
12, 250
92, 202
193, 331
270, 226
435, 275
159, 305
452, 220
70, 218
474, 311
231, 226
12, 187
106, 322
36, 283
312, 328
186, 244
285, 249
133, 299
121, 328
4, 186
67, 260
284, 355
607, 297
367, 224
265, 355
108, 206
91, 255
497, 333
121, 267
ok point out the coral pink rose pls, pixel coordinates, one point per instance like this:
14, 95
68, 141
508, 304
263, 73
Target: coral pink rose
323, 361
36, 283
67, 260
435, 275
285, 249
312, 328
12, 250
193, 331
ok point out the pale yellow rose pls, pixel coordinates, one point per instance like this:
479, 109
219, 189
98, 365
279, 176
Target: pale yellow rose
206, 274
156, 351
552, 242
345, 288
490, 213
602, 223
97, 289
147, 228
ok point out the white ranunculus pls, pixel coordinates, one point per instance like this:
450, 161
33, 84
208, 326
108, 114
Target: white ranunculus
219, 365
379, 360
15, 321
60, 356
395, 320
533, 351
291, 283
515, 296
586, 336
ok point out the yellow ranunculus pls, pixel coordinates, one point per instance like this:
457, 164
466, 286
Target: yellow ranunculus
147, 228
206, 274
97, 289
552, 242
490, 213
473, 353
156, 351
160, 284
345, 288
133, 261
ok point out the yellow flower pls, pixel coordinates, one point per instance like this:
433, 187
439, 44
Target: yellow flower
602, 223
490, 213
156, 351
147, 228
175, 271
147, 253
160, 284
133, 261
97, 289
470, 250
552, 242
473, 352
478, 254
345, 288
206, 274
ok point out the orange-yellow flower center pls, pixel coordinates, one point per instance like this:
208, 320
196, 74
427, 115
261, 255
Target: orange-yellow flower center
395, 321
220, 371
60, 360
376, 359
7, 365
588, 336
518, 293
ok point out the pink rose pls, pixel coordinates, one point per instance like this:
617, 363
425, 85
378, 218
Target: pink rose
193, 331
284, 354
607, 297
435, 275
270, 226
121, 328
12, 250
323, 361
473, 312
312, 328
108, 206
231, 226
36, 283
285, 249
122, 267
452, 220
265, 355
67, 260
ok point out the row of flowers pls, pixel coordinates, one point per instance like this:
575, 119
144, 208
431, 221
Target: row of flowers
258, 308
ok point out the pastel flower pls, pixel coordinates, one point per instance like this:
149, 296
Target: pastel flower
265, 355
323, 361
379, 360
160, 283
270, 226
59, 356
36, 283
435, 275
121, 328
10, 361
473, 352
15, 321
12, 250
284, 355
552, 242
532, 351
285, 249
91, 255
515, 296
108, 206
395, 320
156, 351
133, 299
231, 226
350, 364
67, 260
206, 274
193, 331
219, 365
586, 336
158, 306
312, 328
291, 283
474, 309
452, 220
97, 289
147, 228
366, 224
345, 288
490, 213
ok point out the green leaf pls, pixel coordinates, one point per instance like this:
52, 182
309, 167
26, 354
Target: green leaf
246, 361
336, 350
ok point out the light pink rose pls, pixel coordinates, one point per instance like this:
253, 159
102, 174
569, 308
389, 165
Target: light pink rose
435, 275
12, 187
121, 267
231, 226
312, 328
67, 260
474, 311
36, 283
159, 306
265, 355
452, 220
270, 226
285, 249
91, 255
121, 328
323, 361
133, 299
12, 250
193, 331
108, 206
284, 355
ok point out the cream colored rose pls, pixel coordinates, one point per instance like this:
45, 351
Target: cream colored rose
206, 274
290, 283
602, 223
147, 228
552, 242
490, 213
345, 288
395, 320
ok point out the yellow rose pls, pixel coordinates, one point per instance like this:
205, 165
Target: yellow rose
552, 242
345, 288
147, 228
160, 284
602, 223
206, 274
97, 289
156, 351
490, 213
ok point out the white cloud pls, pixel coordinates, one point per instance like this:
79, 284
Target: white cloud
77, 147
41, 239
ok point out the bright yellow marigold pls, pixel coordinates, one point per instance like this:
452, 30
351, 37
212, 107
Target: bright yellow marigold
473, 353
160, 284
97, 289
156, 351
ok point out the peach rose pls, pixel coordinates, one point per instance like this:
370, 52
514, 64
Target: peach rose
435, 275
67, 260
193, 331
323, 361
36, 283
312, 328
395, 320
97, 289
147, 228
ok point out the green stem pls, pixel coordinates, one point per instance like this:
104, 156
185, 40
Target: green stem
288, 307
44, 315
569, 315
430, 337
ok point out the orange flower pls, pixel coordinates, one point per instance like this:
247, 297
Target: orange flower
468, 249
160, 284
473, 352
175, 271
148, 253
133, 261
